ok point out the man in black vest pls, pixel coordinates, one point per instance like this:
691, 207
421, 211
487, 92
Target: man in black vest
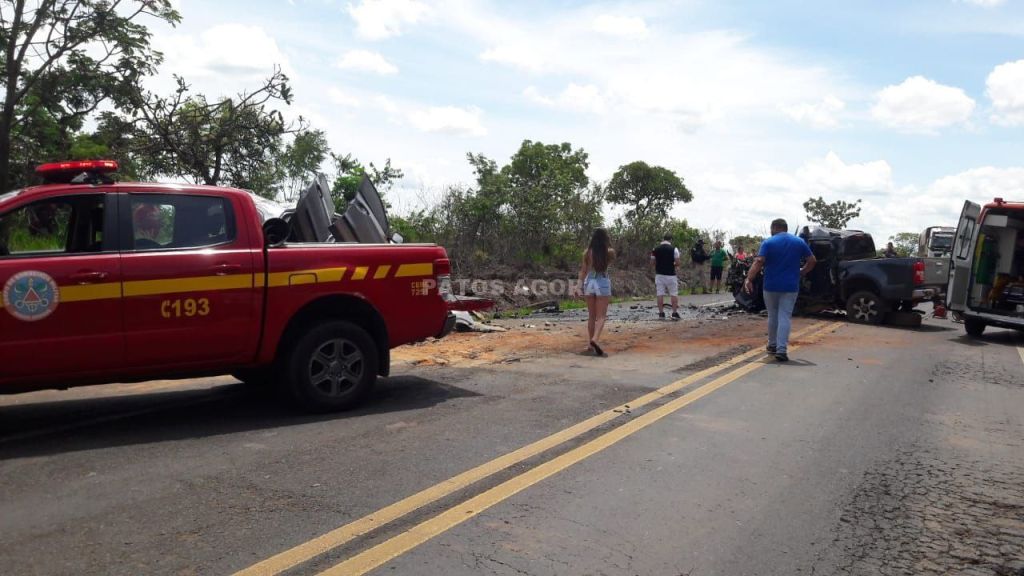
665, 258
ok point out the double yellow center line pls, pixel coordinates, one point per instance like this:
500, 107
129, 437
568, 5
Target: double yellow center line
378, 555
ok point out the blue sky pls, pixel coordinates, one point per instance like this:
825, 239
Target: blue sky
911, 106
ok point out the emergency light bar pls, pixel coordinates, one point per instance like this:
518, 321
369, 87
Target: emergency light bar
78, 171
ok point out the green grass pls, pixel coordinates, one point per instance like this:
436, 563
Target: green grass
574, 304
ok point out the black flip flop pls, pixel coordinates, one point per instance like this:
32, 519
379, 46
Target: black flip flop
597, 349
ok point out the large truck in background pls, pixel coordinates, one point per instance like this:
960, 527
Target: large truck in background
936, 242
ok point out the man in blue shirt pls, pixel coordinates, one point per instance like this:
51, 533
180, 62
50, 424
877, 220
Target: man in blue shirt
780, 258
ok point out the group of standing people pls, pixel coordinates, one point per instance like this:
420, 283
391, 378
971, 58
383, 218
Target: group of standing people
783, 257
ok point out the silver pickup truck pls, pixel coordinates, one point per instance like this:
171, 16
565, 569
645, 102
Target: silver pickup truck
936, 273
933, 248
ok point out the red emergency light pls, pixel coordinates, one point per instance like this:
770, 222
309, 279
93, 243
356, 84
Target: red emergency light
77, 171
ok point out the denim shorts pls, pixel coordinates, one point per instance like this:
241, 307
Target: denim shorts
597, 285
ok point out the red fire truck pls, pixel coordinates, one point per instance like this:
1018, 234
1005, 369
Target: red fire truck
115, 282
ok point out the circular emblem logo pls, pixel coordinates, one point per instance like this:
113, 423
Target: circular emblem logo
31, 295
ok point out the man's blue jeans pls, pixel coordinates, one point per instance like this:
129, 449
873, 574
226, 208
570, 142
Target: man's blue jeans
780, 317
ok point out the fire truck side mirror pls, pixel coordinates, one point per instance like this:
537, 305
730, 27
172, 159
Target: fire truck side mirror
275, 232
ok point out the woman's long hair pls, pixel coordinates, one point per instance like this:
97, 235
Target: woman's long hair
599, 250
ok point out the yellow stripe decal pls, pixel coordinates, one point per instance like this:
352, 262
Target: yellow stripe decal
301, 278
330, 274
406, 270
197, 284
382, 272
85, 292
278, 279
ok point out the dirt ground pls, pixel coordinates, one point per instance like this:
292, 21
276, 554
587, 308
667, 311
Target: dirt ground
707, 333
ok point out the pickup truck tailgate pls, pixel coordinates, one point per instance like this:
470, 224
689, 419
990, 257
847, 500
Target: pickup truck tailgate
936, 272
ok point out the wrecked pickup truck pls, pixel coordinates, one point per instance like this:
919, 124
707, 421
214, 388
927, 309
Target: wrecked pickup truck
849, 276
120, 282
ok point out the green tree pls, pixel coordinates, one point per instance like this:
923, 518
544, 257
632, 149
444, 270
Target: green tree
648, 191
539, 209
59, 61
750, 243
386, 176
349, 174
905, 243
301, 161
232, 141
542, 198
831, 215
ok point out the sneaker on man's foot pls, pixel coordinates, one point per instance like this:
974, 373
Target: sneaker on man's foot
770, 349
661, 315
781, 357
675, 316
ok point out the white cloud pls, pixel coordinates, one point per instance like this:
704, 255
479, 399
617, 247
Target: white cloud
530, 58
828, 176
380, 19
226, 51
576, 97
1005, 87
980, 184
679, 81
621, 26
449, 120
834, 175
985, 3
922, 105
767, 193
823, 114
939, 203
887, 208
366, 61
386, 104
342, 98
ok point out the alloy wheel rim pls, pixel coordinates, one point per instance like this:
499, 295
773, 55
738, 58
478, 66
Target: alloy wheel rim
865, 309
336, 367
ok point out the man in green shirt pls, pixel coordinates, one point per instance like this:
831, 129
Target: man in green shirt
718, 258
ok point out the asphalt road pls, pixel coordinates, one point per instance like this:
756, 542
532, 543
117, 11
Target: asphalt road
876, 450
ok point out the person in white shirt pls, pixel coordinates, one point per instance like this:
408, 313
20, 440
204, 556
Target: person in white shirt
665, 259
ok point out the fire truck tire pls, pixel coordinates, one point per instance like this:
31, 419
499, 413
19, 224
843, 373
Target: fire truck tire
331, 367
866, 307
974, 327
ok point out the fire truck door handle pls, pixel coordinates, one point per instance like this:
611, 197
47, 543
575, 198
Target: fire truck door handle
225, 269
88, 277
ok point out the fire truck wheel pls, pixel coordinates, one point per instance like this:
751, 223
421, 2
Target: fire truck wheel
332, 367
866, 307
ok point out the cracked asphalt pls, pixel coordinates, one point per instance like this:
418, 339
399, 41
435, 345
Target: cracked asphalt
875, 451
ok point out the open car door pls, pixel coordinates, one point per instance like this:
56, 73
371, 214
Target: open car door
962, 258
365, 220
311, 221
